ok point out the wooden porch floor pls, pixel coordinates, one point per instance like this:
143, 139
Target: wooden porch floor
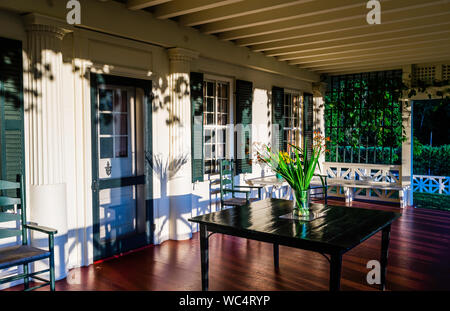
419, 259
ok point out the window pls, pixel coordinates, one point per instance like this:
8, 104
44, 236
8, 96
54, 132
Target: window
216, 98
363, 118
292, 120
113, 116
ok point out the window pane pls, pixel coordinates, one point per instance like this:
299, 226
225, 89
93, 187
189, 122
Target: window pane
210, 104
106, 147
224, 119
105, 100
221, 136
120, 101
208, 152
121, 124
223, 105
225, 90
121, 147
209, 136
210, 118
220, 151
210, 88
219, 90
106, 124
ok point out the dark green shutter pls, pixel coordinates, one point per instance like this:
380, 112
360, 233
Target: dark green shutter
308, 122
11, 109
277, 118
197, 126
244, 99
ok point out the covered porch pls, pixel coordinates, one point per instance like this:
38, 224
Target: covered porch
119, 121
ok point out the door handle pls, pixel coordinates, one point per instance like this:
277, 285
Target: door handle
108, 168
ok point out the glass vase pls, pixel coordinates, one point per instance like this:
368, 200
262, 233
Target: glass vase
301, 202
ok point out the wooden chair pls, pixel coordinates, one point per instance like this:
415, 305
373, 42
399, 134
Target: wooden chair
227, 186
13, 209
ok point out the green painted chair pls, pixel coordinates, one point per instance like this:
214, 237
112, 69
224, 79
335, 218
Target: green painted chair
13, 209
227, 186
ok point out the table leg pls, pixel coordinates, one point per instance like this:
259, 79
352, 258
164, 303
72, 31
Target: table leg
204, 256
335, 271
276, 255
384, 254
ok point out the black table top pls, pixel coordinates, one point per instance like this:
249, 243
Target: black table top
341, 228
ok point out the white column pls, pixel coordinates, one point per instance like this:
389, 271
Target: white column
319, 90
406, 174
180, 181
44, 136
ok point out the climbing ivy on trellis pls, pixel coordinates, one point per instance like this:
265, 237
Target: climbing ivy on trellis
363, 117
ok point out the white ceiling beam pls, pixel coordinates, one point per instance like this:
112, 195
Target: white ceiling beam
142, 4
418, 34
442, 22
236, 10
369, 59
314, 8
330, 20
381, 64
181, 7
444, 43
334, 52
343, 28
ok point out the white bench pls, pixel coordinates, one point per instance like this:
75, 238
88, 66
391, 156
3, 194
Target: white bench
366, 181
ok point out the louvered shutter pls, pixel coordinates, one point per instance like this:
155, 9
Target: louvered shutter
277, 118
196, 82
11, 109
244, 99
308, 124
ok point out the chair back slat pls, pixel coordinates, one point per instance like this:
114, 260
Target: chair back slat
12, 208
5, 201
7, 233
5, 217
8, 185
226, 177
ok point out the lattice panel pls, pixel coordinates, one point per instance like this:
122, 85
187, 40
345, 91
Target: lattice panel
431, 184
445, 72
424, 73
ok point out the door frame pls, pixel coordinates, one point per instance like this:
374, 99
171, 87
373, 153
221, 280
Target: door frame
121, 245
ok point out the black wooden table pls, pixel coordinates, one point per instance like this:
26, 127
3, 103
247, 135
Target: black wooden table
338, 231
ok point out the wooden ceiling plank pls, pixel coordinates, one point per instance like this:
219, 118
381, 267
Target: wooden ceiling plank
181, 7
231, 11
431, 40
331, 19
438, 23
390, 20
445, 43
412, 60
348, 44
373, 59
315, 8
142, 4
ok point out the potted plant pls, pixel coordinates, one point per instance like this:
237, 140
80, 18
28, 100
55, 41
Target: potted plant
297, 169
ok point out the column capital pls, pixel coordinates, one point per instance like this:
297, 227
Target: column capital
319, 89
37, 23
181, 54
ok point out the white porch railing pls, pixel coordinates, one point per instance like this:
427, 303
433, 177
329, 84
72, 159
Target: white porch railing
431, 184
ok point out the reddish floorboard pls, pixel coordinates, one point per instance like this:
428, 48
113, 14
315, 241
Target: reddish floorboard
419, 259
